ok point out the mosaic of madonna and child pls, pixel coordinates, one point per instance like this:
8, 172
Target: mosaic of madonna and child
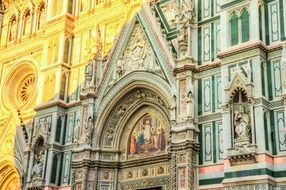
147, 138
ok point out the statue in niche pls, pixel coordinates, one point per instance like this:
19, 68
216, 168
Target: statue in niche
87, 130
12, 33
190, 105
185, 18
241, 119
242, 124
37, 169
90, 74
76, 131
92, 51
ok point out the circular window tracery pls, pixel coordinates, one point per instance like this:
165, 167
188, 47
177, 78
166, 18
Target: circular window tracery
26, 88
20, 87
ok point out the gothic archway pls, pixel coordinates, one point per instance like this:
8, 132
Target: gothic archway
135, 134
9, 176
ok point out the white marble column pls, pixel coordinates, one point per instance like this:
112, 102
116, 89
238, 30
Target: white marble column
58, 84
257, 76
259, 128
49, 10
30, 167
34, 22
65, 7
226, 116
49, 167
254, 20
61, 48
224, 25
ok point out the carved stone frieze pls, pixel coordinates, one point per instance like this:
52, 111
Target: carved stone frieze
242, 155
145, 183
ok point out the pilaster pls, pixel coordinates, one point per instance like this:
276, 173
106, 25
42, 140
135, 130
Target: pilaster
254, 20
184, 145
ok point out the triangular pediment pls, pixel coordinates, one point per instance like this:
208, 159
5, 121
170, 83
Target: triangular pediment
139, 48
137, 56
238, 81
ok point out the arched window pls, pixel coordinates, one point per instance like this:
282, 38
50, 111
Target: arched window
12, 29
245, 26
63, 86
261, 23
67, 50
53, 51
234, 29
58, 129
27, 23
49, 88
41, 17
70, 6
54, 169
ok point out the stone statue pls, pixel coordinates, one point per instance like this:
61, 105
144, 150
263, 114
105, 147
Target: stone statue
120, 68
37, 169
76, 131
173, 109
90, 74
87, 130
242, 125
185, 19
190, 105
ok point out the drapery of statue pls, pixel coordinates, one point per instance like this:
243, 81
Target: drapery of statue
241, 119
148, 138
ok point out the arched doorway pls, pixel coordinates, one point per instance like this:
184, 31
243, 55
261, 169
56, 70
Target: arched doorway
9, 176
135, 134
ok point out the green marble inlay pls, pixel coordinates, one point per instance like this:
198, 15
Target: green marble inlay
234, 29
210, 181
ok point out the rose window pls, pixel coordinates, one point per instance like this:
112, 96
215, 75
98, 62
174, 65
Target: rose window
20, 87
26, 88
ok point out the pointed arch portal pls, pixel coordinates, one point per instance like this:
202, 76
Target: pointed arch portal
9, 176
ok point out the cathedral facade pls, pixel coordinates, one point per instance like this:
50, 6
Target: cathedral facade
135, 95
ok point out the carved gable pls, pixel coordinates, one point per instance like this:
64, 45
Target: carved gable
238, 82
137, 56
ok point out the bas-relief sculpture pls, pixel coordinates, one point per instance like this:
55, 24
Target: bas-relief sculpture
138, 55
184, 19
147, 138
